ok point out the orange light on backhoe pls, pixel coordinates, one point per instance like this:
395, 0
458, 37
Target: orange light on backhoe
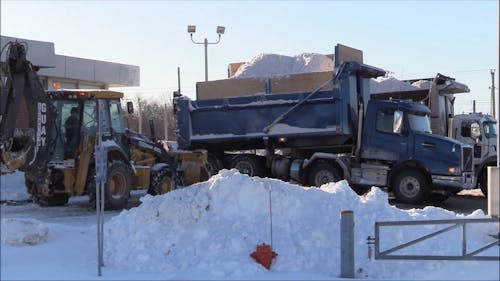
56, 85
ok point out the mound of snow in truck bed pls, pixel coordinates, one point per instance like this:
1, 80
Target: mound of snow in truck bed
390, 84
268, 65
213, 227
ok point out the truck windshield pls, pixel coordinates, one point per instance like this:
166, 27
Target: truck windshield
419, 122
490, 129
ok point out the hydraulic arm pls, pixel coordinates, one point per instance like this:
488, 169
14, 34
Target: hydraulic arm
31, 150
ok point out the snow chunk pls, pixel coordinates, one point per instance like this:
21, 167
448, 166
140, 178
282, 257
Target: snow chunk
269, 65
22, 232
12, 187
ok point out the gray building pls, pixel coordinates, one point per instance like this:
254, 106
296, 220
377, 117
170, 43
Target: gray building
72, 72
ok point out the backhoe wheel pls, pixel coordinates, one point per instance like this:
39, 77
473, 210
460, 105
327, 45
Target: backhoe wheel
118, 186
52, 201
410, 186
161, 182
248, 164
322, 173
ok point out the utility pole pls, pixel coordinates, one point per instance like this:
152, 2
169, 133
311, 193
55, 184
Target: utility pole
493, 107
473, 106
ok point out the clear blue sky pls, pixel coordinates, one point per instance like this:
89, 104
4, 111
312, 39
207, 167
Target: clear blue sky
411, 39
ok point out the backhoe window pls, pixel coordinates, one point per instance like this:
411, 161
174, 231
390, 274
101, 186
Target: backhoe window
90, 117
115, 111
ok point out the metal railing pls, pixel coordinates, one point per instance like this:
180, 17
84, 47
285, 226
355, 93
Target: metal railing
453, 224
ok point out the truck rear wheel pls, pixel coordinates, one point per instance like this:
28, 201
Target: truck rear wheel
118, 185
214, 165
322, 173
248, 164
410, 186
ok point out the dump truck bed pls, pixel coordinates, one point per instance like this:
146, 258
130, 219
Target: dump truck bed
241, 123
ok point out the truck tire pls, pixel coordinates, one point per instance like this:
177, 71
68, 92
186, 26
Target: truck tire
482, 181
248, 164
322, 173
410, 186
118, 185
214, 165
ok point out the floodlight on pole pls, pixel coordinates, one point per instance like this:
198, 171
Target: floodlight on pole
220, 30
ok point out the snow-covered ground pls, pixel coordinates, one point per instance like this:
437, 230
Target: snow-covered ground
207, 231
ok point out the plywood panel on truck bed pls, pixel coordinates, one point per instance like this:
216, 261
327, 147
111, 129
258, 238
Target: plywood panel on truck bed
300, 83
229, 88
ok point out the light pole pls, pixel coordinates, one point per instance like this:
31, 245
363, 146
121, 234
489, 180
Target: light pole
220, 31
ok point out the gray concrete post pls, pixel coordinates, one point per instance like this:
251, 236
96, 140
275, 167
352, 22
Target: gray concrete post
346, 244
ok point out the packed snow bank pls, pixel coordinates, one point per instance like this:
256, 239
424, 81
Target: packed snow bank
12, 187
22, 232
212, 227
268, 65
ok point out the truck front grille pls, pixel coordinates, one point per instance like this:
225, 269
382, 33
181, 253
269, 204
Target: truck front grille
467, 159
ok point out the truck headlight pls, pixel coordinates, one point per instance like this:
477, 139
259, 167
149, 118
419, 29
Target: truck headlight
452, 170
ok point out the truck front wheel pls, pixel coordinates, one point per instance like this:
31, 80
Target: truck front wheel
482, 182
323, 173
410, 186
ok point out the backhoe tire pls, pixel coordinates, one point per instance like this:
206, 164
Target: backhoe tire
248, 164
161, 182
410, 186
322, 173
119, 182
52, 201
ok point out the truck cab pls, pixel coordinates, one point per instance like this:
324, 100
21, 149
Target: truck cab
479, 131
399, 134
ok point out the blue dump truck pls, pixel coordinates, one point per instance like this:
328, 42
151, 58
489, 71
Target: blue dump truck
322, 136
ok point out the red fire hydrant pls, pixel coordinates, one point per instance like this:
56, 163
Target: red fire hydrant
264, 255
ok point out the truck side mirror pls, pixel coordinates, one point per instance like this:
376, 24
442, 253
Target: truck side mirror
130, 107
475, 133
397, 125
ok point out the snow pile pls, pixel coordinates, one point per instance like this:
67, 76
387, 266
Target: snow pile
22, 232
12, 187
212, 227
268, 65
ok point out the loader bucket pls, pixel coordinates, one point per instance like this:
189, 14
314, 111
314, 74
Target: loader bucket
194, 166
16, 154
